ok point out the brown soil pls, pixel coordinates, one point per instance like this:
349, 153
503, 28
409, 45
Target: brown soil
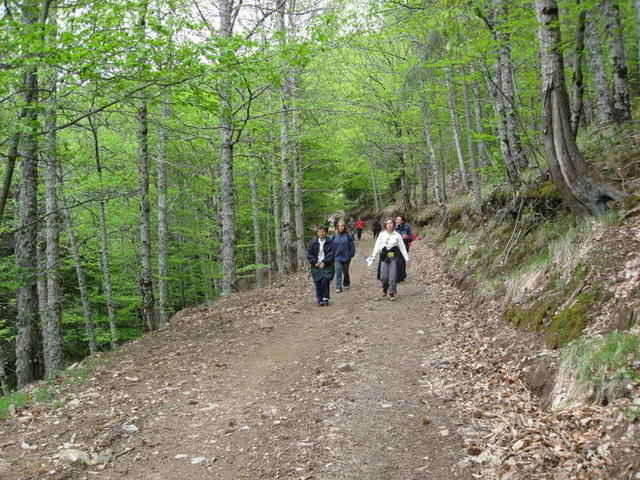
263, 385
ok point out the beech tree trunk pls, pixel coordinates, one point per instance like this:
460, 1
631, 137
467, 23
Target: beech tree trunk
621, 97
51, 321
432, 159
578, 77
89, 324
568, 168
105, 266
604, 109
277, 226
298, 199
257, 233
27, 231
226, 162
163, 210
473, 152
455, 125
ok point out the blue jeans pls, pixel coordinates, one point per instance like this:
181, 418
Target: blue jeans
342, 274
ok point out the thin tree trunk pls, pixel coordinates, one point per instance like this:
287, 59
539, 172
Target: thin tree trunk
473, 154
286, 98
298, 203
604, 109
163, 210
226, 162
483, 151
432, 159
578, 77
146, 278
51, 321
621, 97
89, 323
105, 265
27, 232
277, 227
455, 125
257, 234
568, 168
4, 379
636, 5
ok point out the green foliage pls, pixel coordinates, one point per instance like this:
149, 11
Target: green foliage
17, 399
604, 361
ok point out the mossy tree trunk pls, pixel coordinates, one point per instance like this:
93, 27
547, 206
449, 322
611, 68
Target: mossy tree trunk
568, 168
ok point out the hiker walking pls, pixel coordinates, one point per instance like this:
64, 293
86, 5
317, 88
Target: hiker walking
376, 228
359, 227
344, 249
404, 230
320, 256
392, 260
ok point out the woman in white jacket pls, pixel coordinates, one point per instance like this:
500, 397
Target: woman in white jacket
392, 257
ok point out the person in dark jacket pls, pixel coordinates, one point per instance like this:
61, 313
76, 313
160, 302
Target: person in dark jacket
344, 249
376, 228
403, 228
321, 257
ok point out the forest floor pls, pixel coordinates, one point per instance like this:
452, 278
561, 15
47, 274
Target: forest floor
266, 385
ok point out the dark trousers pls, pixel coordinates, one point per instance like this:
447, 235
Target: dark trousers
342, 274
359, 233
322, 279
376, 233
322, 288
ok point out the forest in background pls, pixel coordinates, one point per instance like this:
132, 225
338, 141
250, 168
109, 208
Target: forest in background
156, 155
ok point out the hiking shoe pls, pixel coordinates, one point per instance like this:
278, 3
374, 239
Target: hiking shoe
339, 290
347, 287
325, 301
392, 296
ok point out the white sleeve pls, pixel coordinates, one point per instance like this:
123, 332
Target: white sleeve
403, 248
378, 246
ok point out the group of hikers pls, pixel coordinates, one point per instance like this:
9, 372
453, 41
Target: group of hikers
331, 252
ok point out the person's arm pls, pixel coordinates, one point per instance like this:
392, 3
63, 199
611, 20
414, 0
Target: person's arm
329, 253
402, 248
310, 255
352, 247
378, 246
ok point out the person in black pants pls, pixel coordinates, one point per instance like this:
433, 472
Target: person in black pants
321, 257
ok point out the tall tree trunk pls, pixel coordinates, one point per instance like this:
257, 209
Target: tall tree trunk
163, 210
483, 151
504, 95
226, 161
277, 225
568, 168
105, 265
298, 203
473, 154
51, 321
257, 233
578, 77
432, 159
604, 109
286, 98
146, 276
27, 231
455, 125
83, 286
621, 98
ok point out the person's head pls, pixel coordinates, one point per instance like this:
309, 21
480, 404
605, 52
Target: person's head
389, 225
321, 231
342, 227
399, 220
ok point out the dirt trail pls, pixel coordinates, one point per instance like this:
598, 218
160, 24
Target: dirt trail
232, 392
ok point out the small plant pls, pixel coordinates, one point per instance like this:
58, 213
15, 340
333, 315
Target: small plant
17, 399
604, 362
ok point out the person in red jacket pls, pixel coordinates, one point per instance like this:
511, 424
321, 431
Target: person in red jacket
359, 227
